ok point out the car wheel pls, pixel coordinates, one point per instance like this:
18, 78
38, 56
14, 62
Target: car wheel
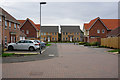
10, 48
31, 49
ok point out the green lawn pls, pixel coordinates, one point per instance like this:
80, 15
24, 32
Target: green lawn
14, 54
7, 54
48, 44
115, 50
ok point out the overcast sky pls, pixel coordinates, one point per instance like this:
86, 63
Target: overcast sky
62, 12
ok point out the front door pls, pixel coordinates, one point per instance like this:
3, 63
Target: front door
48, 39
71, 39
13, 39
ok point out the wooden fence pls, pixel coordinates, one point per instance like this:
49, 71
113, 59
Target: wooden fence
112, 42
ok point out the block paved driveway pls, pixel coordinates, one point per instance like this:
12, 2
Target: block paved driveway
73, 61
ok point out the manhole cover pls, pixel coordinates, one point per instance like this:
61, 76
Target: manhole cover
51, 55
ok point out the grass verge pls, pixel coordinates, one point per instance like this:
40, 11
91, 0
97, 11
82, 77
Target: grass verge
15, 54
7, 54
115, 50
48, 44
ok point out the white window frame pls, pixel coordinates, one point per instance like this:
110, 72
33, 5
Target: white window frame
41, 33
14, 26
27, 31
103, 30
9, 25
6, 24
87, 32
18, 27
44, 33
98, 31
0, 19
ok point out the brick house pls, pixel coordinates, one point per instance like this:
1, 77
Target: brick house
49, 33
29, 28
114, 33
9, 28
98, 28
71, 33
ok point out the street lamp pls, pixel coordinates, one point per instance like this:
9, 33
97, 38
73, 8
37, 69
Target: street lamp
40, 23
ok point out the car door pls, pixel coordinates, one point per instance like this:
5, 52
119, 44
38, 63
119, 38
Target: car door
26, 45
18, 45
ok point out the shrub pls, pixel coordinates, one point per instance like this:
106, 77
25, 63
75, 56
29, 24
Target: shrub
82, 43
87, 44
92, 44
95, 44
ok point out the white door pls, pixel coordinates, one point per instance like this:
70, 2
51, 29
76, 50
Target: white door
71, 39
48, 39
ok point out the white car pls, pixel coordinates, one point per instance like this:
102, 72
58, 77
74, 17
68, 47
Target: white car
24, 45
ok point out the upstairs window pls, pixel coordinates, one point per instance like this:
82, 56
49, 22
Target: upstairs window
0, 19
14, 26
55, 33
5, 24
103, 31
44, 33
9, 25
52, 33
27, 31
41, 33
18, 27
98, 31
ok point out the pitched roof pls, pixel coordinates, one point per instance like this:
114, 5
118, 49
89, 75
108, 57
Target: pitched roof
109, 23
70, 28
114, 33
35, 25
21, 22
8, 16
49, 29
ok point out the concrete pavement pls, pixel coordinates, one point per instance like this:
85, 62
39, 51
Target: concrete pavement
72, 61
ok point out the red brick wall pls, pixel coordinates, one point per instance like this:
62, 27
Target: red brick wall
95, 40
93, 31
32, 30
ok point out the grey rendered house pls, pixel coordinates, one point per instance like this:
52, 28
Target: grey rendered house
71, 33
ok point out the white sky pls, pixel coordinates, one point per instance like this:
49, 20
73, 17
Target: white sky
76, 12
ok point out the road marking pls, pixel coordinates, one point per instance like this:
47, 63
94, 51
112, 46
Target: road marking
43, 51
51, 55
